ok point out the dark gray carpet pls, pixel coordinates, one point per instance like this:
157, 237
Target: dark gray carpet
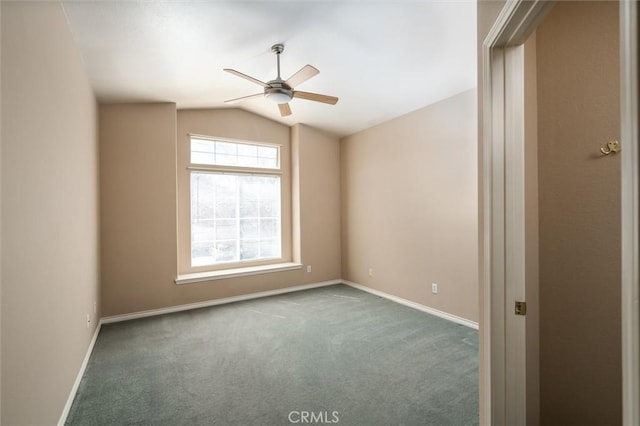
320, 351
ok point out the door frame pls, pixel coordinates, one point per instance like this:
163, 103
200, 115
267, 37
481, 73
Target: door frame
630, 188
503, 269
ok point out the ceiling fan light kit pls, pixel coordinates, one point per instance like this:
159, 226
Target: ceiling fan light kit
281, 91
279, 95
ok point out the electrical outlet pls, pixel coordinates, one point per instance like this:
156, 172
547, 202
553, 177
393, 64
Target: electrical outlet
370, 272
434, 288
88, 320
308, 268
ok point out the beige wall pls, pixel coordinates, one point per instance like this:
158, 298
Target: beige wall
138, 189
50, 266
319, 169
409, 206
579, 208
138, 206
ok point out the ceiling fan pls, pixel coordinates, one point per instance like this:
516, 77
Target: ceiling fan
281, 91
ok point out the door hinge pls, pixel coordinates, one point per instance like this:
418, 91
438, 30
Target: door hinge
521, 308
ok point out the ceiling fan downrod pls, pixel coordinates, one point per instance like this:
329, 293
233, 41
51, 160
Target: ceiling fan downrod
278, 49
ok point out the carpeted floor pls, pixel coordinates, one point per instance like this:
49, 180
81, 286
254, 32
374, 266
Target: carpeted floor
328, 355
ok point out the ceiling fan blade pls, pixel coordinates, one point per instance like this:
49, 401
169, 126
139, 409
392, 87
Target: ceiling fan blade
246, 77
303, 74
285, 109
244, 97
316, 97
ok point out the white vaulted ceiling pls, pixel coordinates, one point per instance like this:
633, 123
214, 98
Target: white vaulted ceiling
381, 58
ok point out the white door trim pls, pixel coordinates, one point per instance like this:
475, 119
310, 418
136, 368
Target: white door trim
502, 270
630, 189
514, 236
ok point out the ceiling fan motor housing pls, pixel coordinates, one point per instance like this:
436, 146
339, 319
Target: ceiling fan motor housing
278, 92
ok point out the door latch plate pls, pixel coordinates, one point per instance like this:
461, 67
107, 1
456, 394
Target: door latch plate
521, 308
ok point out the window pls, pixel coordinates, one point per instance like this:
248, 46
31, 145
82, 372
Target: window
235, 202
235, 205
220, 153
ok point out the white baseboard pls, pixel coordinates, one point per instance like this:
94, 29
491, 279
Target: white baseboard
179, 308
76, 384
414, 305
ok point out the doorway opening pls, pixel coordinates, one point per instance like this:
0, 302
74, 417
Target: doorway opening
504, 334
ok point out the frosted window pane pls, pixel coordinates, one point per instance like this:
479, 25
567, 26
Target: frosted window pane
226, 160
234, 218
268, 163
270, 190
246, 161
223, 183
249, 249
226, 251
267, 152
225, 208
202, 145
203, 231
202, 157
202, 152
226, 229
202, 254
268, 228
269, 248
249, 229
251, 187
226, 148
201, 187
247, 150
240, 154
249, 208
270, 208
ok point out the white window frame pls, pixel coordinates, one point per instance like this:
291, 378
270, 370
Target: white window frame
243, 169
189, 274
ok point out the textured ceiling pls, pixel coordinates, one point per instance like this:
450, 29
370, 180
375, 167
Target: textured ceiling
382, 59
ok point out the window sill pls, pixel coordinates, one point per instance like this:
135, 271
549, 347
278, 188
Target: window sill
236, 272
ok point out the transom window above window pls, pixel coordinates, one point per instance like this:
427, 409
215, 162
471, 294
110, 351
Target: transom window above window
224, 153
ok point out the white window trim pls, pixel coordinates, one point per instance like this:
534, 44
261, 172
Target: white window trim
235, 272
195, 167
235, 269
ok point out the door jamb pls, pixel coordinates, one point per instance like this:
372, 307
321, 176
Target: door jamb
630, 191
